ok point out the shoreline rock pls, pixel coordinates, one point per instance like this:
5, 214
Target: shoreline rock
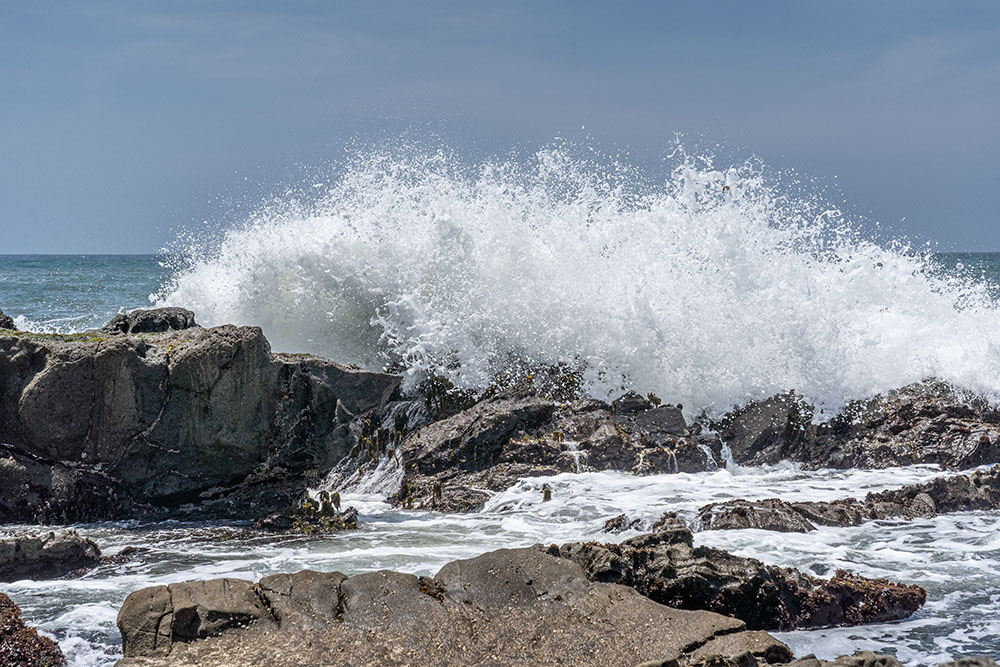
111, 425
46, 555
7, 322
667, 568
959, 493
512, 606
22, 646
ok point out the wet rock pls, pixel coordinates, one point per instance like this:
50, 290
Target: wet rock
98, 427
959, 493
452, 465
507, 607
151, 321
927, 422
310, 518
46, 555
665, 567
971, 661
21, 646
859, 659
7, 322
621, 523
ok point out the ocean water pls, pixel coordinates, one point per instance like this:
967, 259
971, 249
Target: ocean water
711, 287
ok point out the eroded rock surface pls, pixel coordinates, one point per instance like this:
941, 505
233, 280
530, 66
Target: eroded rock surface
664, 566
507, 607
452, 464
151, 321
22, 646
94, 425
959, 493
921, 423
7, 322
45, 555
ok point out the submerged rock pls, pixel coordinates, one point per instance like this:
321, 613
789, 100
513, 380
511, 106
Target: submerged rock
959, 493
46, 555
666, 567
21, 646
507, 607
928, 422
7, 322
103, 426
452, 465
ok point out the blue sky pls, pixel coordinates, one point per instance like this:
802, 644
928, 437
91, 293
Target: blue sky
122, 121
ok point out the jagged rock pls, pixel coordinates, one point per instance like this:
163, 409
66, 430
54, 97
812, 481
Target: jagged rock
93, 426
971, 661
959, 493
665, 567
151, 321
927, 422
45, 555
451, 465
21, 646
7, 322
507, 607
621, 523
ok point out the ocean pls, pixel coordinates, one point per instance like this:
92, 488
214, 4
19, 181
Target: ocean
711, 290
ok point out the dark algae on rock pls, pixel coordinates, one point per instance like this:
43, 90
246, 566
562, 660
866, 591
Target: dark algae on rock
22, 646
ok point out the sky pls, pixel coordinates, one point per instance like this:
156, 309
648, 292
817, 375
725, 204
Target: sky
123, 122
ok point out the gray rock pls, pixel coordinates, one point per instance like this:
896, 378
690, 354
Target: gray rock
508, 607
770, 514
664, 566
859, 659
94, 424
45, 555
7, 322
151, 321
971, 661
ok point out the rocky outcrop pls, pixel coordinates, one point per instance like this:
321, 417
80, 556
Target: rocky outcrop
922, 423
859, 659
21, 646
151, 321
7, 322
507, 607
959, 493
666, 567
45, 555
452, 464
98, 426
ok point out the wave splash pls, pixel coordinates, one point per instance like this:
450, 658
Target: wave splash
712, 287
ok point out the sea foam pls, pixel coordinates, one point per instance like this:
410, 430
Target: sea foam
711, 287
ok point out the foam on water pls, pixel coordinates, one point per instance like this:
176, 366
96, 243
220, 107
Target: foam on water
955, 557
713, 287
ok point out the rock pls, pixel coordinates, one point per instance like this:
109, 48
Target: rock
621, 523
151, 321
101, 427
665, 567
21, 646
309, 521
7, 322
45, 555
451, 465
959, 493
859, 659
507, 607
927, 422
771, 514
971, 661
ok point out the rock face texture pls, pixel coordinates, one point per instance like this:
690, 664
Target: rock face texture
508, 607
921, 423
665, 567
151, 321
45, 556
92, 425
448, 463
21, 646
7, 322
960, 493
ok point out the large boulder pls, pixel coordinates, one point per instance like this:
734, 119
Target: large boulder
22, 646
508, 607
45, 556
93, 424
451, 464
928, 422
959, 493
665, 566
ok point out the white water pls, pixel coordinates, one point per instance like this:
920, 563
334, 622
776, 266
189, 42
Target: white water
711, 288
956, 557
